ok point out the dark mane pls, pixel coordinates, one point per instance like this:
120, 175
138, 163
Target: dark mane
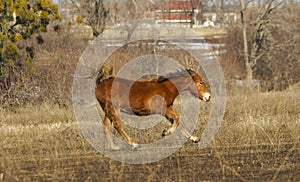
172, 75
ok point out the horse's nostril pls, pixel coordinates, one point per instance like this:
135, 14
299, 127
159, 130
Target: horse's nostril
206, 98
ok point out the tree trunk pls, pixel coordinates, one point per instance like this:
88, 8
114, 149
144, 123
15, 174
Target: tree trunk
249, 71
253, 54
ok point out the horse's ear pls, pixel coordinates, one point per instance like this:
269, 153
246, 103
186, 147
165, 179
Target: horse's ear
194, 75
191, 72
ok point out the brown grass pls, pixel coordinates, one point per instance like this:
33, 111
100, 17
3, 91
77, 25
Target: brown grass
258, 140
209, 31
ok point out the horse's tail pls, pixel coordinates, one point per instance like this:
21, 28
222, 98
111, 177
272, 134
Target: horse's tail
104, 72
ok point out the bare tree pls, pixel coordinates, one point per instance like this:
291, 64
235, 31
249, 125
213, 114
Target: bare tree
220, 12
92, 13
125, 10
243, 7
254, 52
282, 59
97, 13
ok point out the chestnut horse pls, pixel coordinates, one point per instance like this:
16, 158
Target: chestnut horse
145, 98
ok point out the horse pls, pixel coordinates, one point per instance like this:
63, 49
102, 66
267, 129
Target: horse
144, 98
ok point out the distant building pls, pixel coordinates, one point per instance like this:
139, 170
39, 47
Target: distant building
178, 11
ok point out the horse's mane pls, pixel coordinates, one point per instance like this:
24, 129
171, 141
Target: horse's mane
172, 75
104, 72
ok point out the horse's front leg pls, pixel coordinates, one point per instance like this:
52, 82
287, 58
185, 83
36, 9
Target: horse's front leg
174, 118
117, 123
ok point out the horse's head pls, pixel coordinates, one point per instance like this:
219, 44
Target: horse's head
201, 90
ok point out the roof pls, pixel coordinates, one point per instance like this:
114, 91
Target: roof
177, 10
178, 5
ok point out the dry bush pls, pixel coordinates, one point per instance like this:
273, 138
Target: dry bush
54, 65
280, 66
231, 60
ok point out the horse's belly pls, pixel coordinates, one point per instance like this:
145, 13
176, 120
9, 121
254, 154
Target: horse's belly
136, 111
155, 105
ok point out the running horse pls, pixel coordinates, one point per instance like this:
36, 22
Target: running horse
146, 98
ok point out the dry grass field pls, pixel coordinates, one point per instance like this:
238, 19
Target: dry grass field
258, 141
209, 31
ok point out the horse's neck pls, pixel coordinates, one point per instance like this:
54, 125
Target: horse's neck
179, 84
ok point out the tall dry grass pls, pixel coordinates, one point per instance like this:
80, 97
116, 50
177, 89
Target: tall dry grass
262, 117
43, 142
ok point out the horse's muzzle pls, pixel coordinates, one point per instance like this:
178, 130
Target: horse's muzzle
206, 97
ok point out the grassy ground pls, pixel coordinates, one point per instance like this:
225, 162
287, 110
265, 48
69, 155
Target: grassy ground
209, 31
258, 140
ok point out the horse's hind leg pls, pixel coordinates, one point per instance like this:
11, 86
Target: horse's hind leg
107, 126
173, 117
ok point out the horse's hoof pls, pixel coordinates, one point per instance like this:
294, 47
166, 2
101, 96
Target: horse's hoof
194, 139
165, 132
135, 146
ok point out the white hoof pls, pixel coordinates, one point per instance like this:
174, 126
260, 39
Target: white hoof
165, 132
194, 139
135, 146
